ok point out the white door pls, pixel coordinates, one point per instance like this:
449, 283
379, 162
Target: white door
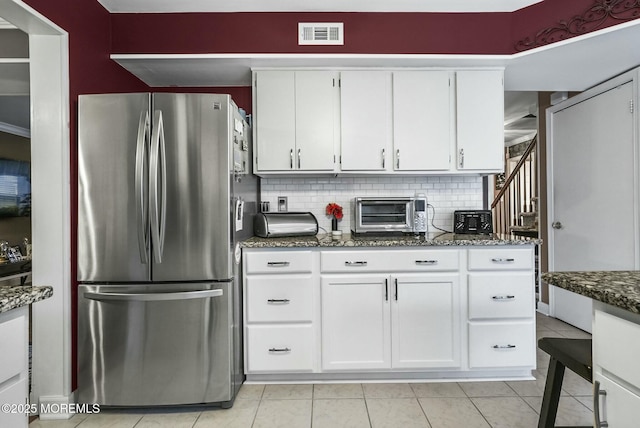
425, 320
365, 109
421, 120
355, 323
480, 120
275, 121
592, 193
316, 105
592, 186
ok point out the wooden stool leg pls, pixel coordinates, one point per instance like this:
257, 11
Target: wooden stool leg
552, 390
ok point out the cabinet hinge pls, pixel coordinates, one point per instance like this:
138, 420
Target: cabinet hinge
631, 106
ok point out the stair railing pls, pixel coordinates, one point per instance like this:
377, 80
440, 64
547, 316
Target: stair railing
518, 193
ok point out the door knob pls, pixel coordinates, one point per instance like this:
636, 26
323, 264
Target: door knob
556, 225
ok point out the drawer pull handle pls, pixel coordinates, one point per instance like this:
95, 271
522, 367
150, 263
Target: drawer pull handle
426, 262
597, 393
502, 260
279, 350
277, 264
502, 298
355, 264
503, 346
277, 301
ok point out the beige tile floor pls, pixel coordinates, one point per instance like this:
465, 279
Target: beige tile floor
393, 405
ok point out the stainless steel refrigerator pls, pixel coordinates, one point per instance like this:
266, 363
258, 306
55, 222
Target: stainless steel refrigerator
165, 193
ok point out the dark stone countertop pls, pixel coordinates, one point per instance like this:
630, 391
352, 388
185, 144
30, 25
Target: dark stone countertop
616, 288
12, 297
441, 239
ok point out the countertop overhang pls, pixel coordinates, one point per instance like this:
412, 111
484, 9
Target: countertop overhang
12, 297
441, 239
616, 288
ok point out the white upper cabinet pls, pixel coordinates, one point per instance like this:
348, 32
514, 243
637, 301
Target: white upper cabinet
480, 120
295, 120
422, 125
379, 121
275, 120
365, 107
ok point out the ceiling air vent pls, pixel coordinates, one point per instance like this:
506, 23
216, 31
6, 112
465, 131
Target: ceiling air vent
325, 33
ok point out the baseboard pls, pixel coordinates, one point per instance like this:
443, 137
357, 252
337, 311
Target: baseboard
543, 308
57, 407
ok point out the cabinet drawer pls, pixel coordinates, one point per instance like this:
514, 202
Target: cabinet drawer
616, 346
14, 393
509, 295
501, 345
277, 298
13, 345
501, 258
385, 261
279, 348
278, 262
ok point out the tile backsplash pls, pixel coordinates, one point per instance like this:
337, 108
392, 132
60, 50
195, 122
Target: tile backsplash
445, 193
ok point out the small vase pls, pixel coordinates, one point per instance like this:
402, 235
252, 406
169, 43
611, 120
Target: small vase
334, 224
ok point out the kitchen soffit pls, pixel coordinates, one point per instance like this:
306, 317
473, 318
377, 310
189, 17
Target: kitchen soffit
571, 65
168, 6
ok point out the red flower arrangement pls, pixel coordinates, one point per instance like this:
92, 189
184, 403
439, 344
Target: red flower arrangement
334, 210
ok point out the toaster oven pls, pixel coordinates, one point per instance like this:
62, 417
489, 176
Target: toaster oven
383, 215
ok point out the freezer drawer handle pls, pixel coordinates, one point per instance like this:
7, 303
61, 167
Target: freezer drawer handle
278, 264
146, 297
426, 262
503, 298
278, 301
355, 264
501, 260
503, 346
280, 350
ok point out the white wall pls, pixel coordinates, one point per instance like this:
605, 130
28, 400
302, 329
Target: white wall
445, 193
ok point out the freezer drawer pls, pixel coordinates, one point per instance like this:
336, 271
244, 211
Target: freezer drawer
161, 344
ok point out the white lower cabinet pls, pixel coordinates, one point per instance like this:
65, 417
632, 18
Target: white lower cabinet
501, 305
355, 322
280, 314
280, 348
390, 321
501, 344
334, 313
14, 376
616, 378
425, 321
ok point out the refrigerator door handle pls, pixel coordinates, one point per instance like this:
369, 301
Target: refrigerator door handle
142, 204
158, 184
148, 297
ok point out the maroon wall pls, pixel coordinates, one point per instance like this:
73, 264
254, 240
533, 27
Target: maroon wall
389, 33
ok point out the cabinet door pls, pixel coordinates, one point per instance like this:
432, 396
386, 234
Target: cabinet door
316, 105
355, 323
275, 121
421, 120
480, 120
425, 319
365, 109
618, 406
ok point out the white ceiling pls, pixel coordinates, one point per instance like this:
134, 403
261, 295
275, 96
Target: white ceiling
152, 6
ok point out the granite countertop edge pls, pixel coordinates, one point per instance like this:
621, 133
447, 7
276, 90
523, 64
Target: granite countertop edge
616, 288
13, 297
446, 239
